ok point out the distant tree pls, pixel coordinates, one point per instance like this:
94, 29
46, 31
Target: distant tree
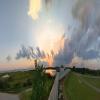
73, 68
29, 82
62, 66
4, 84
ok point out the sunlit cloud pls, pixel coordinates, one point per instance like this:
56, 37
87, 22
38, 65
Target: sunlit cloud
34, 8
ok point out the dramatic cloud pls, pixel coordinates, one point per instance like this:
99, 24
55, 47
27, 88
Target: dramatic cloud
90, 63
47, 54
48, 4
34, 8
23, 53
83, 43
30, 53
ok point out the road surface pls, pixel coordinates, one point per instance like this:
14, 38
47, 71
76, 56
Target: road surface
6, 96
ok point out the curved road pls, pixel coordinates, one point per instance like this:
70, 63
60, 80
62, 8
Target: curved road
6, 96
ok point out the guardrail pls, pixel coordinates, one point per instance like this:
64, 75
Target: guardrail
63, 74
54, 91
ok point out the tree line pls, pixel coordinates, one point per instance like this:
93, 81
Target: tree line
86, 71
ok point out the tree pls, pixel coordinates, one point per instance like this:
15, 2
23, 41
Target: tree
74, 68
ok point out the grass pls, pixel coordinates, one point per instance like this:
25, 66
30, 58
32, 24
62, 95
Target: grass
17, 82
94, 81
75, 89
21, 83
26, 95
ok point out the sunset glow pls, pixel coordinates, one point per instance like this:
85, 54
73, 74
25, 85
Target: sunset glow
59, 32
49, 40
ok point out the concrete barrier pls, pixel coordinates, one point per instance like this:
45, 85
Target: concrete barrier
54, 91
62, 74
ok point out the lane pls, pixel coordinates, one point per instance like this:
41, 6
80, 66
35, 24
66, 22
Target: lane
6, 96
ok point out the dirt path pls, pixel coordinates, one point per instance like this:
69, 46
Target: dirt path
6, 96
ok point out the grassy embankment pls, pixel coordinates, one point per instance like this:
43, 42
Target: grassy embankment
21, 83
26, 95
76, 89
16, 82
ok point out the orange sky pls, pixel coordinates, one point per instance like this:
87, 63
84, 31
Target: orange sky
17, 64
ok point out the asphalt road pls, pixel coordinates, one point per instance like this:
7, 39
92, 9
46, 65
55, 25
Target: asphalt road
6, 96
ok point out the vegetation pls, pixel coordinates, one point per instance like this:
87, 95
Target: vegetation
26, 95
95, 81
16, 82
76, 89
86, 71
41, 84
31, 85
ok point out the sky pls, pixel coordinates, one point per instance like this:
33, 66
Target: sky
42, 23
15, 29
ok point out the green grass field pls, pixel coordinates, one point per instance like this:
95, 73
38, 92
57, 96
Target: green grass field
76, 89
16, 82
94, 81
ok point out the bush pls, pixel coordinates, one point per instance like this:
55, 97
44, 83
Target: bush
39, 82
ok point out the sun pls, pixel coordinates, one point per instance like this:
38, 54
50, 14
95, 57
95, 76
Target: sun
48, 35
